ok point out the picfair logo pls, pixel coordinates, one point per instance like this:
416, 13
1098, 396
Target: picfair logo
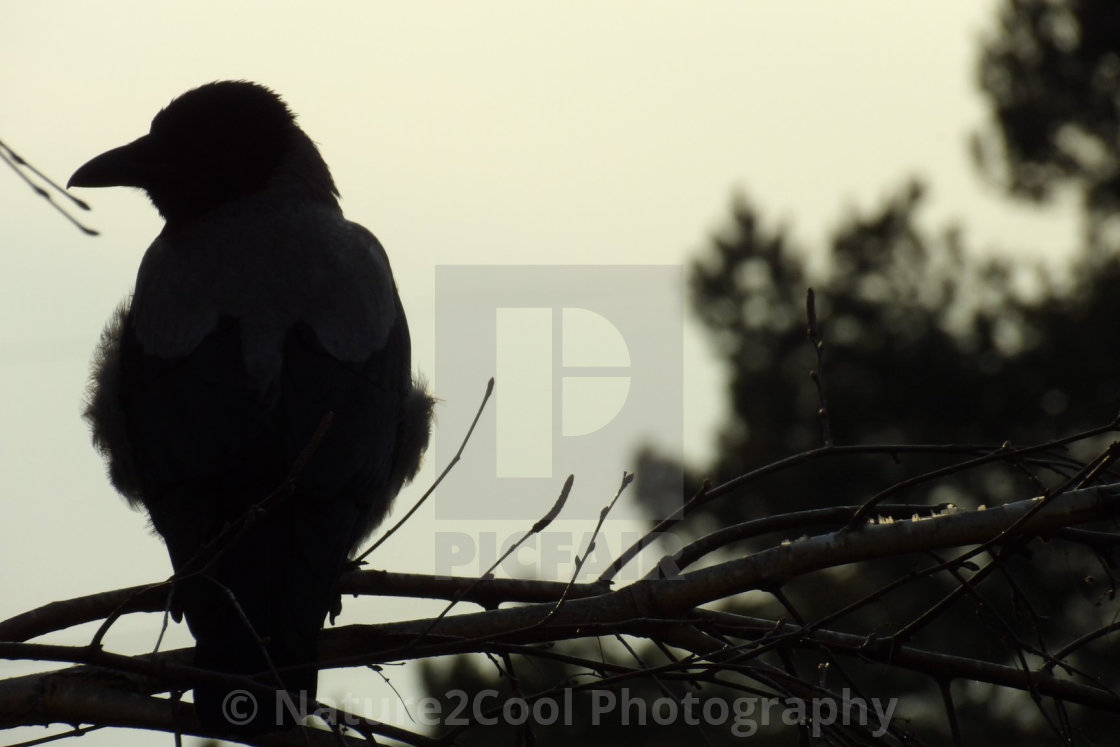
588, 367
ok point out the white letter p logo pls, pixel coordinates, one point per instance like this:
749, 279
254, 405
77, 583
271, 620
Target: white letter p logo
528, 401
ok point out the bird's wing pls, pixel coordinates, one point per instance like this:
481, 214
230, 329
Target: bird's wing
311, 266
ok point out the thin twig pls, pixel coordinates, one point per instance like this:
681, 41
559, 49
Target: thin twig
817, 375
17, 163
454, 460
627, 478
537, 527
1004, 453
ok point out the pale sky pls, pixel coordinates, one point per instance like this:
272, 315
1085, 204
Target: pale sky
461, 133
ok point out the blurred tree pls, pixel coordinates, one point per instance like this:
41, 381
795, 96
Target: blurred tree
925, 343
1052, 76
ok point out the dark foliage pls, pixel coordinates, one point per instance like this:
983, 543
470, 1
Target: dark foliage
925, 343
1052, 75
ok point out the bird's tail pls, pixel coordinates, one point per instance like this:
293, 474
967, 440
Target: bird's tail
270, 634
266, 652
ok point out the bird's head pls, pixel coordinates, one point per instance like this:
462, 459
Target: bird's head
213, 144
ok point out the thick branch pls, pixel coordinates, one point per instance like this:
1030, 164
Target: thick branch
153, 598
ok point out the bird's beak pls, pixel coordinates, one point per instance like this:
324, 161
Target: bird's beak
132, 165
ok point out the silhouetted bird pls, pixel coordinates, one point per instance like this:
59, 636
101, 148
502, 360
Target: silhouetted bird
257, 311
